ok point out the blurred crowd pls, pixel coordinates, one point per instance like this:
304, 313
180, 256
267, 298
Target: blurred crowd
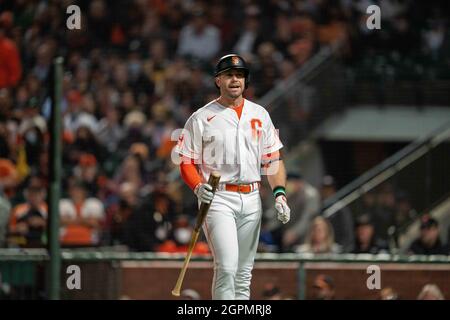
324, 287
134, 73
377, 225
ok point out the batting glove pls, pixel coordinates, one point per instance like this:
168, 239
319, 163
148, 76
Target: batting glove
284, 213
204, 193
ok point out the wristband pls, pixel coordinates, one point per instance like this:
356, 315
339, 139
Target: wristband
278, 191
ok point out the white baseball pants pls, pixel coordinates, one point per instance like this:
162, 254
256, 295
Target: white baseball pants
232, 228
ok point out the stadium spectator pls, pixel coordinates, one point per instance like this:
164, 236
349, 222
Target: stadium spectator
86, 171
271, 292
320, 238
250, 37
118, 213
85, 141
429, 241
435, 40
180, 237
81, 217
404, 210
366, 240
388, 293
304, 200
342, 220
151, 223
10, 64
199, 39
430, 291
267, 242
404, 214
9, 177
133, 122
271, 231
110, 130
383, 217
44, 55
190, 294
4, 143
132, 170
265, 68
5, 208
323, 287
33, 133
28, 221
335, 29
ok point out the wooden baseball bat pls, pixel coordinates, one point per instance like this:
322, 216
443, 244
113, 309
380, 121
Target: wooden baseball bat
213, 181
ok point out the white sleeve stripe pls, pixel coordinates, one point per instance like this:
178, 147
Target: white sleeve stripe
188, 154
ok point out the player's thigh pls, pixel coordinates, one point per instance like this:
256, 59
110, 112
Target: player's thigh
248, 226
221, 232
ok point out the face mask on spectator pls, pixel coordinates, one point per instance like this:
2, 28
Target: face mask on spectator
182, 235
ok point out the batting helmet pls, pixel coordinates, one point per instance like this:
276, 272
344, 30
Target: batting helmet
232, 61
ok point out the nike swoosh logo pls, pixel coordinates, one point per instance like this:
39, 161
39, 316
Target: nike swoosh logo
210, 118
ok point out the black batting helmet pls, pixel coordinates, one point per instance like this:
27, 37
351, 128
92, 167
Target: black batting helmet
232, 61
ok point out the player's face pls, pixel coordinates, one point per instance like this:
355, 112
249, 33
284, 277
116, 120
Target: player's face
231, 83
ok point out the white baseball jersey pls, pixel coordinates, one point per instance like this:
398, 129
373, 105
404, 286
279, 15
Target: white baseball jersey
218, 140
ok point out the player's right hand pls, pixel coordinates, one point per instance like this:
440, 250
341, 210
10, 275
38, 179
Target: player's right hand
204, 193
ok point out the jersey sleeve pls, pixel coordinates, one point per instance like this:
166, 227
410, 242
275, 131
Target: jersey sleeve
271, 142
190, 140
190, 174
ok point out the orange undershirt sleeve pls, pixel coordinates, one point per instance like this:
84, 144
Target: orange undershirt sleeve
189, 173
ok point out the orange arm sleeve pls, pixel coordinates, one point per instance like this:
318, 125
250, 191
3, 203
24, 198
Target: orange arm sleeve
189, 173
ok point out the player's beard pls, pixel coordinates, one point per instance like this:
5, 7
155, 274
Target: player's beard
234, 94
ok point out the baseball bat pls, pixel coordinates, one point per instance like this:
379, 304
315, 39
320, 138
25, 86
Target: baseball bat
213, 181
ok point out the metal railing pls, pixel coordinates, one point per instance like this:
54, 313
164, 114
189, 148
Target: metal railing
419, 174
80, 256
385, 170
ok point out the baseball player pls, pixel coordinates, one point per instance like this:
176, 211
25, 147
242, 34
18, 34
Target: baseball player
235, 137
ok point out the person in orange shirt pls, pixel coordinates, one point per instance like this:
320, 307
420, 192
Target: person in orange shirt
28, 221
81, 218
10, 66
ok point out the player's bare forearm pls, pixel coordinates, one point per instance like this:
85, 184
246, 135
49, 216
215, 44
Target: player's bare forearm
276, 174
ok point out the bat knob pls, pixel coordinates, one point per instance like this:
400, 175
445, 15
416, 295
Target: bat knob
176, 292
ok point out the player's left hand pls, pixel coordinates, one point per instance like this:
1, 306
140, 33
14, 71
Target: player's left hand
284, 213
